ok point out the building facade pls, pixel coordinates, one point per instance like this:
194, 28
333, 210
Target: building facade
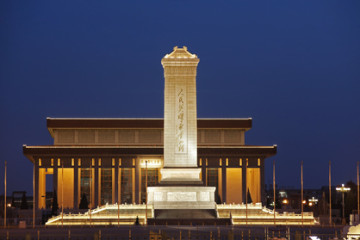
107, 160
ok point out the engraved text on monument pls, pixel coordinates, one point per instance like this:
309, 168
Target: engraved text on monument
180, 120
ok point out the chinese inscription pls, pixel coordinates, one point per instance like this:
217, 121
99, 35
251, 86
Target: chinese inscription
180, 119
181, 196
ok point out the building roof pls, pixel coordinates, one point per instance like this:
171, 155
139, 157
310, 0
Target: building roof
55, 151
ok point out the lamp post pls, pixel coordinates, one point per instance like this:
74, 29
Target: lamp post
118, 203
302, 195
62, 194
358, 189
274, 192
146, 183
5, 198
90, 198
34, 201
343, 190
330, 214
118, 191
246, 194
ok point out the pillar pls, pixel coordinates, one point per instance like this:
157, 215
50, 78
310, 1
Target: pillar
36, 185
41, 188
116, 181
262, 183
244, 181
203, 174
137, 181
96, 185
55, 179
180, 120
223, 182
76, 186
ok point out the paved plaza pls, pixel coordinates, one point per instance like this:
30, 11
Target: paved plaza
173, 232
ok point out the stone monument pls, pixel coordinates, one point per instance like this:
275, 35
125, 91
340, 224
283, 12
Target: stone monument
180, 186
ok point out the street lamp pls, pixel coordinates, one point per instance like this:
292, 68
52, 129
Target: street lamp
5, 197
312, 201
343, 190
146, 185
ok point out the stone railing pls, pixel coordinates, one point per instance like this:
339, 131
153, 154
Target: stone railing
93, 213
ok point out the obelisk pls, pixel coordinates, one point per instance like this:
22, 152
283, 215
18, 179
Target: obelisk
180, 186
180, 117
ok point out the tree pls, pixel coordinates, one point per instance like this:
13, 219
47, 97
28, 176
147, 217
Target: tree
84, 204
24, 204
351, 199
55, 206
137, 222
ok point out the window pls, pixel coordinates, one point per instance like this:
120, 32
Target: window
126, 185
106, 186
212, 179
85, 183
152, 180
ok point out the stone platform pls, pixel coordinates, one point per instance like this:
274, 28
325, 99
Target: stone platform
190, 222
222, 214
185, 214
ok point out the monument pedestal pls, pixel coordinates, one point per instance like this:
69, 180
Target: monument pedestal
180, 176
181, 197
181, 188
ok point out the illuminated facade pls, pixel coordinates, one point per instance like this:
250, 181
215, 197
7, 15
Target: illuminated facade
107, 159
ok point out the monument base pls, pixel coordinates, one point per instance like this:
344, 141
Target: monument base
180, 176
181, 197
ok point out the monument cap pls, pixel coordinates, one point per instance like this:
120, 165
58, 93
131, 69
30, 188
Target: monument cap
180, 56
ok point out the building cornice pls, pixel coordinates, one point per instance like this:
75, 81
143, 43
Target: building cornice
57, 151
245, 123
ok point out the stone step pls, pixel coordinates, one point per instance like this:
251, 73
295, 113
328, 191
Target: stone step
185, 214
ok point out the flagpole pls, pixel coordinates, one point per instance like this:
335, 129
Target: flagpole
90, 198
246, 193
119, 189
274, 189
34, 199
118, 205
146, 184
5, 197
330, 214
358, 189
62, 193
302, 195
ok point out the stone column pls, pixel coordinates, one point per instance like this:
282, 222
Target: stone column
55, 179
96, 185
36, 193
76, 186
203, 174
180, 116
223, 182
262, 183
116, 179
244, 182
137, 182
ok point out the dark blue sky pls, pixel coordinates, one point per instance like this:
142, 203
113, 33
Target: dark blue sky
293, 66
